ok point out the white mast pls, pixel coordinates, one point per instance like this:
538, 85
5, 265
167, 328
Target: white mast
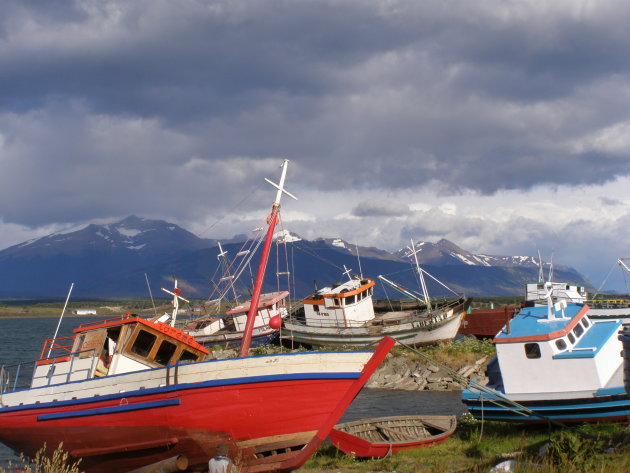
222, 257
176, 297
425, 293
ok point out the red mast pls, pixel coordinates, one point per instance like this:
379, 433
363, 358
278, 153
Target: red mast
272, 219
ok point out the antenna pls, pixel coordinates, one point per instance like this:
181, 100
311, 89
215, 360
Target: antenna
150, 294
358, 258
541, 276
551, 267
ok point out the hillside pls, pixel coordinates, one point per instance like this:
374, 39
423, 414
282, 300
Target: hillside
112, 261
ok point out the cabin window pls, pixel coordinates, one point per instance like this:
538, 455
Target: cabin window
351, 299
336, 301
561, 344
165, 352
188, 357
143, 343
571, 338
315, 307
532, 350
578, 330
585, 322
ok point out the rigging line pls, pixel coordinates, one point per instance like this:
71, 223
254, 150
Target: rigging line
439, 282
247, 241
150, 294
605, 280
231, 210
239, 268
247, 261
391, 307
292, 274
286, 256
315, 255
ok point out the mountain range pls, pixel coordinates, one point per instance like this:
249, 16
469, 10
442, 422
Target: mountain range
119, 259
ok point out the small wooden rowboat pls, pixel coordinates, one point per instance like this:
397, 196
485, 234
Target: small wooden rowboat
379, 437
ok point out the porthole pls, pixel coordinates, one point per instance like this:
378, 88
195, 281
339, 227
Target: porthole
561, 344
532, 350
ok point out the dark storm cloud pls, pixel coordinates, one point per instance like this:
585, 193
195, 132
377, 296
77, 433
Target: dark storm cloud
110, 108
380, 208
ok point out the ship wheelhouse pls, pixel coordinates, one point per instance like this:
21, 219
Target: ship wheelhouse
111, 347
537, 353
342, 305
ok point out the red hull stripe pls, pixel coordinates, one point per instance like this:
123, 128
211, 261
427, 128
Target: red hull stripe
110, 410
181, 387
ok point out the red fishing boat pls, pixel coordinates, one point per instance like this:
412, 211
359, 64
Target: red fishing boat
379, 437
128, 392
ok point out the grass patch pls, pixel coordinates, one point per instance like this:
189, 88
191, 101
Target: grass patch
464, 351
477, 447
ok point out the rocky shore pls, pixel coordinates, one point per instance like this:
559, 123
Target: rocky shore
402, 373
399, 372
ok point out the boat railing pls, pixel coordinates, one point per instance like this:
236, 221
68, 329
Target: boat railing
59, 346
77, 366
608, 303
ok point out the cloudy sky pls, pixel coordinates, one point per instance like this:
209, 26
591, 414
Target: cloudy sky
501, 125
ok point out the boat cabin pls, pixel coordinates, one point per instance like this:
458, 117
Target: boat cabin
558, 348
347, 304
114, 346
270, 305
536, 293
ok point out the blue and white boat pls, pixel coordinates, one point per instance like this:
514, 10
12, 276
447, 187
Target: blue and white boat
554, 363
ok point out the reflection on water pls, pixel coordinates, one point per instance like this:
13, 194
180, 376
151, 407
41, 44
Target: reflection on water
21, 339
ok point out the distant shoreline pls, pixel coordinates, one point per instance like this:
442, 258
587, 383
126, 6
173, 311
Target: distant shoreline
24, 315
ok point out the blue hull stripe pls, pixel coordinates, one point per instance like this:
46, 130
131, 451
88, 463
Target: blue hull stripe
110, 410
181, 387
598, 407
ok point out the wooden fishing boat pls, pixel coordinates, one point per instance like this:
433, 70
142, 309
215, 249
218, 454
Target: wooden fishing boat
556, 364
227, 330
379, 437
127, 392
344, 314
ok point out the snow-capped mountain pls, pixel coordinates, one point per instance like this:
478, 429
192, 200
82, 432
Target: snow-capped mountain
111, 260
134, 234
445, 252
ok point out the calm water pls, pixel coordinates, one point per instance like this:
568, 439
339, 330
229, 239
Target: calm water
21, 339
